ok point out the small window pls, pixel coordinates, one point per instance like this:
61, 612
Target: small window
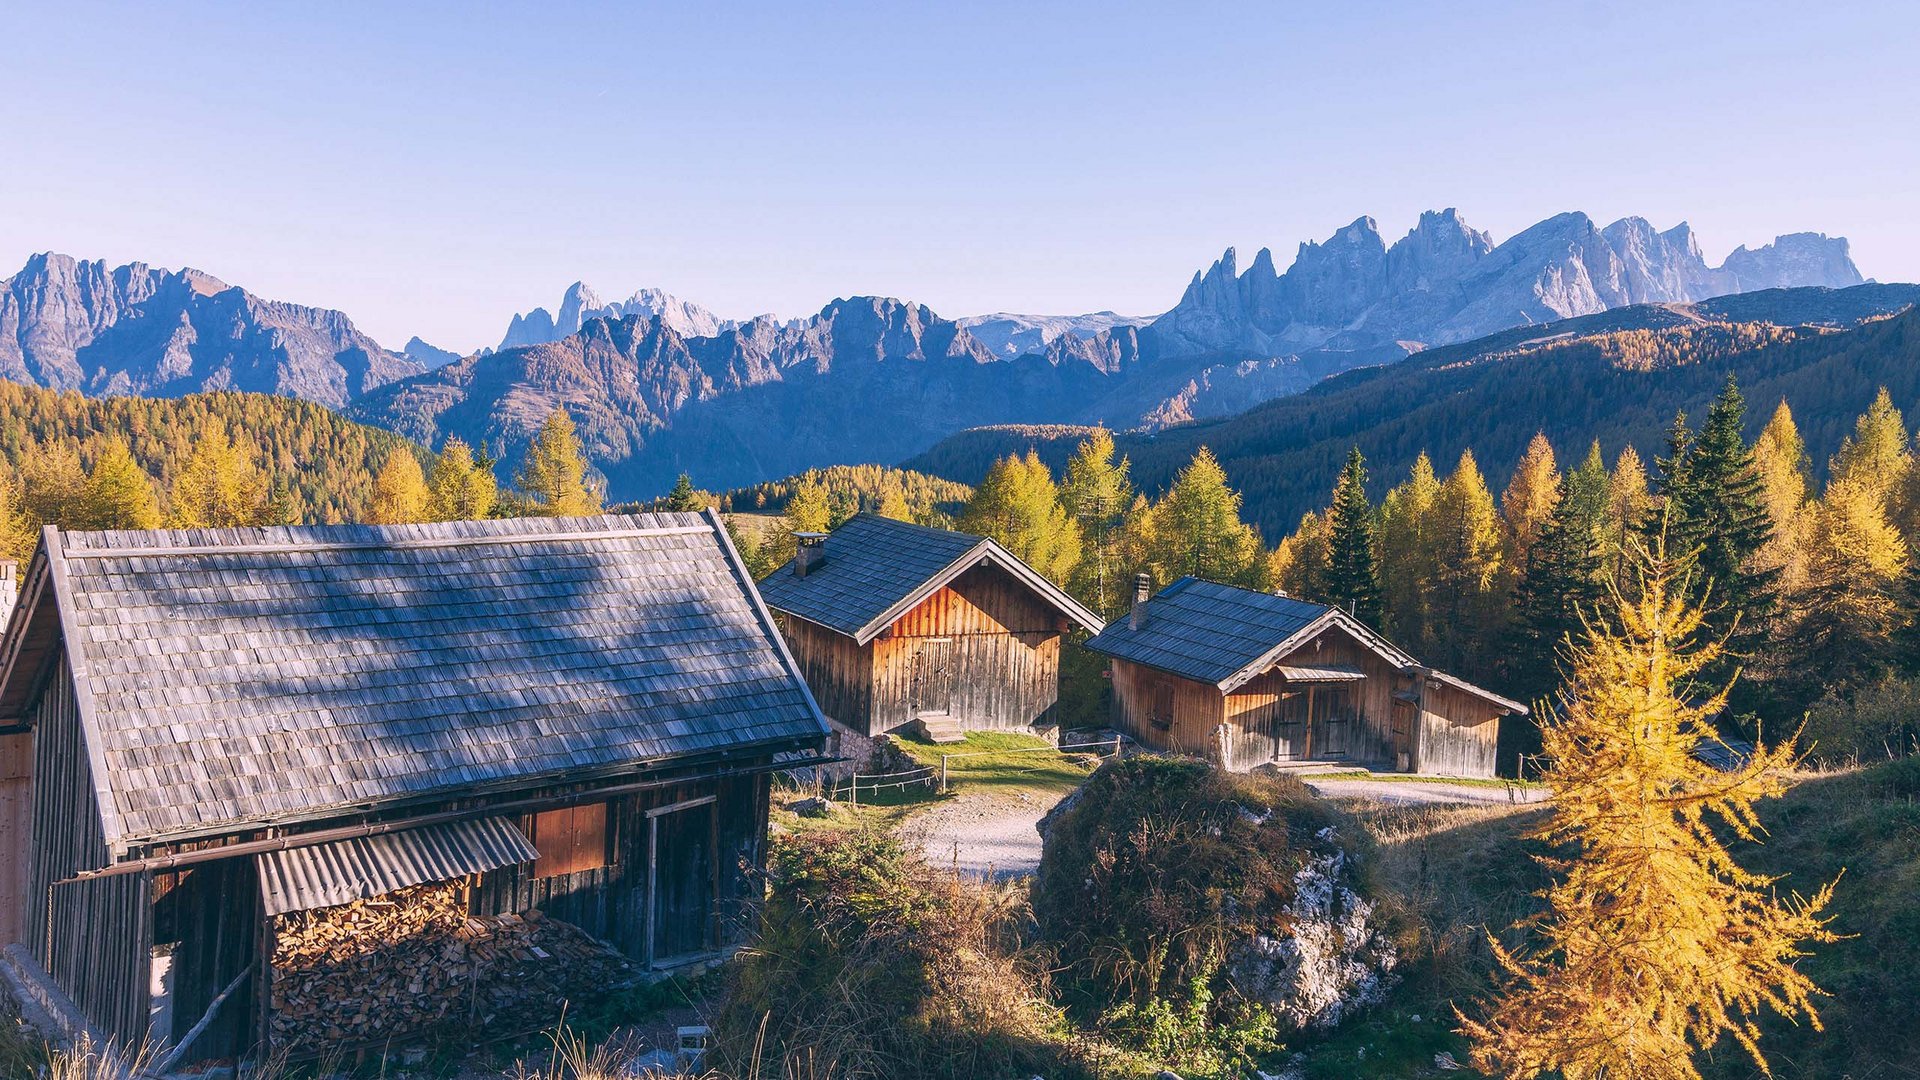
1162, 716
571, 840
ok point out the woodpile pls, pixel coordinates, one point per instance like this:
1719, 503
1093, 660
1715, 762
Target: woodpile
414, 963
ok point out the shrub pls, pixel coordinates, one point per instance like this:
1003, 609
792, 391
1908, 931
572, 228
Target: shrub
871, 964
1881, 720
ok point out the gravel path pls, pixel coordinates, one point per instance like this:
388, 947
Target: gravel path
1419, 793
983, 833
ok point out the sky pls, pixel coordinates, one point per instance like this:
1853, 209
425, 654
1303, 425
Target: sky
433, 169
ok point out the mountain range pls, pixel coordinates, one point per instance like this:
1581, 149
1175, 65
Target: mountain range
135, 329
660, 385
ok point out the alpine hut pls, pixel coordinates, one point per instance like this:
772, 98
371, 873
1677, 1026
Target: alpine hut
896, 624
301, 789
1248, 678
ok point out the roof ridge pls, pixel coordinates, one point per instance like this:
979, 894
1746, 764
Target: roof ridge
875, 516
360, 537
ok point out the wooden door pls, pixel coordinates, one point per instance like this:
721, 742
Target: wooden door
933, 677
1332, 720
1404, 713
681, 880
16, 824
1290, 726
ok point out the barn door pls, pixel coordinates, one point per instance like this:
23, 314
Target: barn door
933, 677
1290, 726
1332, 711
681, 879
16, 825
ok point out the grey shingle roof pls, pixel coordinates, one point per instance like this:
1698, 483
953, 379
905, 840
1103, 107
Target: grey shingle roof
231, 676
1205, 631
876, 568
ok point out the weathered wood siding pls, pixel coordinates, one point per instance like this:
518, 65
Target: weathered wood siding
94, 937
210, 914
1459, 733
1369, 739
1197, 709
1002, 655
16, 831
838, 670
611, 902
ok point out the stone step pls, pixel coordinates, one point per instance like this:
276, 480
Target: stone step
941, 729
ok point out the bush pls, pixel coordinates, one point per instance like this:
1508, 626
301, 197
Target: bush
1880, 721
1151, 877
871, 965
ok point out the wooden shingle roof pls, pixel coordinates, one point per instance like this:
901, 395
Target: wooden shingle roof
1226, 636
228, 677
877, 569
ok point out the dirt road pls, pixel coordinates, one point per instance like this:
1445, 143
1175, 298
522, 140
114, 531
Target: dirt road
984, 831
1416, 793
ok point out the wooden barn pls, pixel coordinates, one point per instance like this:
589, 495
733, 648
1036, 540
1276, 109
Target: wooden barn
895, 623
310, 788
1247, 678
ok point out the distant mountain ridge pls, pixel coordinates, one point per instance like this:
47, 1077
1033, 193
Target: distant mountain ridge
1446, 282
580, 305
136, 329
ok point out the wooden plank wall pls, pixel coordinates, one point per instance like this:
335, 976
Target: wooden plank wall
1371, 739
16, 832
1005, 649
1459, 733
94, 937
1197, 709
211, 915
838, 670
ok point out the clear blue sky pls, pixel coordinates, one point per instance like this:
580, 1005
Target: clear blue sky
436, 169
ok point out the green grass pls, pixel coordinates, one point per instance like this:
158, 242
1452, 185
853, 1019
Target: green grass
1004, 761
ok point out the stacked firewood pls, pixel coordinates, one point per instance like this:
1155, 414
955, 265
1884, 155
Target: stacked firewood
414, 962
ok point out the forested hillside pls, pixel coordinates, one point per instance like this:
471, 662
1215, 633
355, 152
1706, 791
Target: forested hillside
324, 462
1576, 382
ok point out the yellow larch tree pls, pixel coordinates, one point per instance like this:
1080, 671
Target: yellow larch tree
118, 494
459, 487
1529, 499
222, 487
1655, 943
1628, 500
1469, 579
400, 494
554, 472
1876, 455
1407, 566
1780, 457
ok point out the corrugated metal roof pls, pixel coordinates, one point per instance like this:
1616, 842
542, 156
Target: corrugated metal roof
326, 875
876, 567
1320, 673
276, 674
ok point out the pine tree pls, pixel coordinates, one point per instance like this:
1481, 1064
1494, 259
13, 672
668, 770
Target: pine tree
554, 472
1530, 498
1467, 599
1564, 579
220, 487
1200, 531
1095, 494
400, 494
1875, 456
1407, 565
1719, 513
1351, 580
684, 499
118, 494
460, 488
1655, 943
1780, 456
1849, 612
1018, 505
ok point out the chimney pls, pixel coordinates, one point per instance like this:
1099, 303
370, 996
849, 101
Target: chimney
811, 553
1142, 588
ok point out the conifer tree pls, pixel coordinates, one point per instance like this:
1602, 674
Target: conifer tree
1200, 531
1468, 549
1849, 611
220, 487
894, 505
684, 498
1564, 578
1628, 502
119, 493
1655, 943
18, 533
807, 510
460, 488
1095, 494
1530, 498
554, 472
1136, 547
1299, 566
1780, 456
400, 494
1718, 513
52, 484
1018, 505
1351, 579
1407, 565
1876, 455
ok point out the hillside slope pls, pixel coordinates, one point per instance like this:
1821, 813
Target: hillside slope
1617, 377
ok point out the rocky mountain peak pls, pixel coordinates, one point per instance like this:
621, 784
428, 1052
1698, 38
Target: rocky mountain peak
580, 304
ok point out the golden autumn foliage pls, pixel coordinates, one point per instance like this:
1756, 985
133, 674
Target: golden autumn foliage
1655, 943
1530, 497
400, 494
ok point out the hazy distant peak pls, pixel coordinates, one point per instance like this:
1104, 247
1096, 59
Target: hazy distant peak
580, 304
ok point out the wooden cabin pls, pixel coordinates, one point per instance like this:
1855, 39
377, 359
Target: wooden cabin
310, 788
1247, 678
897, 624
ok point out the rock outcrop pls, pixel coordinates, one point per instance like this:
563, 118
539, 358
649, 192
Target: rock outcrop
580, 305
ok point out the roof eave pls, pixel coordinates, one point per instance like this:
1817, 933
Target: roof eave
983, 552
